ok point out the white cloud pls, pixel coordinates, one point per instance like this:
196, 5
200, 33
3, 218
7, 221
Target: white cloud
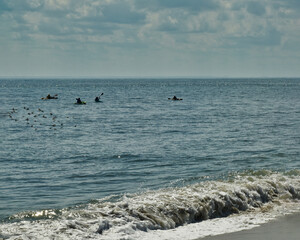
190, 27
179, 17
34, 4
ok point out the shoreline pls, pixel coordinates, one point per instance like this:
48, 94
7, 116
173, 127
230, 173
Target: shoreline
285, 227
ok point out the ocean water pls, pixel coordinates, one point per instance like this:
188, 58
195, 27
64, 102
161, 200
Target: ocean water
139, 166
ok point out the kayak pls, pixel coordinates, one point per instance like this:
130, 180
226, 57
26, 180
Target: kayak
178, 99
82, 103
45, 98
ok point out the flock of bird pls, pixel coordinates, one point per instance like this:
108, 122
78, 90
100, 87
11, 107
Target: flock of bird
39, 117
36, 118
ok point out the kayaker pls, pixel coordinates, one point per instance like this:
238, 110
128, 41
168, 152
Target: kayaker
97, 99
175, 98
78, 101
50, 97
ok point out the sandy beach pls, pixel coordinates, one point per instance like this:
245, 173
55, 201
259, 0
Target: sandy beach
283, 228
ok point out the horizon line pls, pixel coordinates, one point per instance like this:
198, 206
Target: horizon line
143, 77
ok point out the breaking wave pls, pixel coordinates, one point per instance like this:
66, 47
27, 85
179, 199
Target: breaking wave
164, 209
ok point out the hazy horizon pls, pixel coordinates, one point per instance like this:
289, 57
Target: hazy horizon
136, 77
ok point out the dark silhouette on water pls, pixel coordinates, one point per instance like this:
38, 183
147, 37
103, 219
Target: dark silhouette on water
49, 97
97, 99
175, 98
78, 101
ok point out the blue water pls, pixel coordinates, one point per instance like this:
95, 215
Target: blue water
137, 139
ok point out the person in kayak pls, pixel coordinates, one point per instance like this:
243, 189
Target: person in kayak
97, 99
78, 101
175, 98
50, 97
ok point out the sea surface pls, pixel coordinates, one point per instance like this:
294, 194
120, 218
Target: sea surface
140, 166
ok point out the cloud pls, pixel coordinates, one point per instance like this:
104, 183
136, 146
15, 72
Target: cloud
67, 18
253, 7
292, 4
87, 18
256, 8
190, 5
122, 13
175, 27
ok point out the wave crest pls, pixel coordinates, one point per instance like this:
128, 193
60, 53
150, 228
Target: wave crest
168, 208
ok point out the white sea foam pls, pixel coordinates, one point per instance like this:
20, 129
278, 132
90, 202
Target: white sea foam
199, 210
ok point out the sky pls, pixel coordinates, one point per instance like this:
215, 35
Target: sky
149, 38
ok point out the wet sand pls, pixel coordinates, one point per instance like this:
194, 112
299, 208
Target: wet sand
284, 228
